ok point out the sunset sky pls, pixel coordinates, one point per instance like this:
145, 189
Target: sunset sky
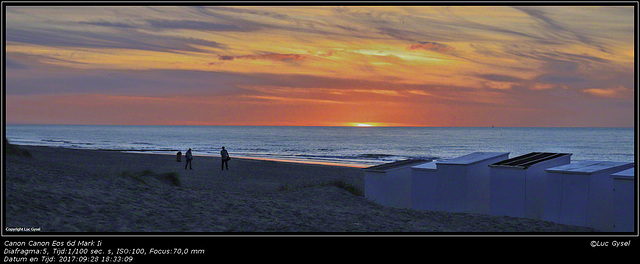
320, 65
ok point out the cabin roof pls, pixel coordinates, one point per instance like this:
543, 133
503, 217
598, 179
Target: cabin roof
589, 167
472, 158
395, 164
527, 160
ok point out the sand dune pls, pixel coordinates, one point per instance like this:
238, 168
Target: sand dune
64, 190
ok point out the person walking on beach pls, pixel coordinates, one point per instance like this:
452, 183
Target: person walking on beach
188, 157
225, 158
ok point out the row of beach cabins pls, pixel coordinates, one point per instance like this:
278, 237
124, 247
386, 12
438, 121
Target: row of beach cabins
539, 185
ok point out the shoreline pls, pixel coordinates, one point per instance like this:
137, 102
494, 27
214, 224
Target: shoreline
69, 190
155, 152
311, 162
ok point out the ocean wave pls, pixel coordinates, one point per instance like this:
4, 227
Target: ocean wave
141, 143
156, 150
66, 142
374, 156
56, 141
392, 157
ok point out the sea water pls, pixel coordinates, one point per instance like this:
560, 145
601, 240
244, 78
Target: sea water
361, 146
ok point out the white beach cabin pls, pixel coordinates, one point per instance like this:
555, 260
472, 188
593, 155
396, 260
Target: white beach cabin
623, 201
389, 184
585, 196
425, 186
463, 182
518, 184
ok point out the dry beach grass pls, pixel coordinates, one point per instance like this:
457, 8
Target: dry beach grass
65, 190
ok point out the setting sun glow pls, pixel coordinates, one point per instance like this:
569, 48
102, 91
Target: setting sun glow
364, 125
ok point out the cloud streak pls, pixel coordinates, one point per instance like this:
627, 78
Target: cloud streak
273, 57
164, 24
123, 40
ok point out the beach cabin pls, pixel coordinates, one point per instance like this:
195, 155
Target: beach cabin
464, 182
425, 186
623, 201
389, 184
585, 196
518, 184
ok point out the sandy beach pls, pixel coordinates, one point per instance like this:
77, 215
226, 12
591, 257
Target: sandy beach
65, 190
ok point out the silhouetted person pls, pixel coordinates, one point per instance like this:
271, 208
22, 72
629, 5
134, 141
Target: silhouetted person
188, 158
179, 156
225, 158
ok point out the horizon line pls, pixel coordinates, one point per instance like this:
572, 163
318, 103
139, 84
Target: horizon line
354, 126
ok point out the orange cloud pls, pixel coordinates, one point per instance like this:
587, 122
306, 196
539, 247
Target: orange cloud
618, 92
432, 46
